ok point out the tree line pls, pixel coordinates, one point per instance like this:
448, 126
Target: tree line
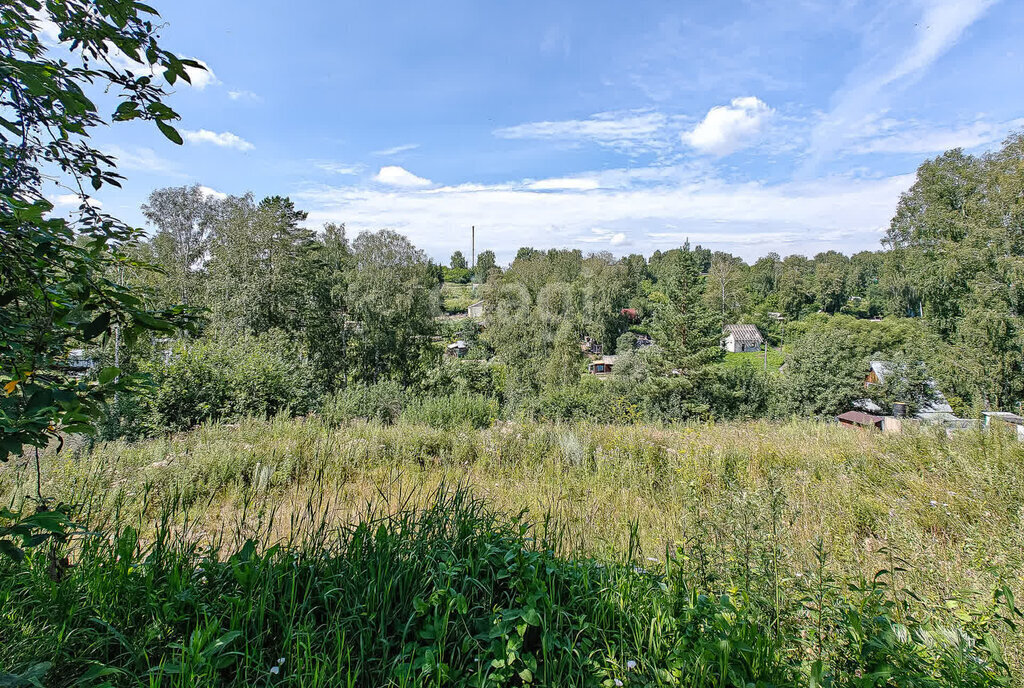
940, 299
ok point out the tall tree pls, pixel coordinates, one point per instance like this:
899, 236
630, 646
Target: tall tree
485, 262
257, 270
185, 217
458, 261
830, 280
394, 298
724, 284
686, 330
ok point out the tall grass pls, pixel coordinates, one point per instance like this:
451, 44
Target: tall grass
714, 555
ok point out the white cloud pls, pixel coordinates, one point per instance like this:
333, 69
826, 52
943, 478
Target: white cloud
212, 193
630, 130
245, 95
846, 213
915, 138
393, 175
201, 78
140, 159
565, 183
397, 149
224, 139
338, 168
74, 200
604, 236
728, 128
870, 87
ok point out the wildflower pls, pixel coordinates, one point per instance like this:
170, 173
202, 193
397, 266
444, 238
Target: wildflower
280, 661
631, 665
934, 503
275, 670
618, 682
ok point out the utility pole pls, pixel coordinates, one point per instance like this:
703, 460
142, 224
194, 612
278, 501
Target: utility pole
473, 249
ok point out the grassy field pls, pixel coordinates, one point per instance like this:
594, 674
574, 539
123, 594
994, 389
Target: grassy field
734, 554
755, 359
457, 297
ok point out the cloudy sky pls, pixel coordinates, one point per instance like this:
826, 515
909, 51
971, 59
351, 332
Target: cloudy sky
748, 126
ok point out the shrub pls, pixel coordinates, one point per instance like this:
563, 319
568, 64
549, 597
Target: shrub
217, 378
452, 411
381, 402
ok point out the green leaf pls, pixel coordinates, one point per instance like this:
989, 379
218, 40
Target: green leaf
9, 549
99, 325
108, 374
531, 617
170, 132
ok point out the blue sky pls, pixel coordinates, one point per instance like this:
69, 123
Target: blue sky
744, 126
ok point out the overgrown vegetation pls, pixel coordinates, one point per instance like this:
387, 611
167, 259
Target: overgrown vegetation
729, 555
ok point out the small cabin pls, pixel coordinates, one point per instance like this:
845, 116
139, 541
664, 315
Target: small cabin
475, 310
742, 338
601, 366
861, 419
457, 349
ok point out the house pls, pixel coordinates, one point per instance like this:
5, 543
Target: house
740, 338
995, 418
861, 420
79, 362
601, 366
937, 410
457, 349
476, 310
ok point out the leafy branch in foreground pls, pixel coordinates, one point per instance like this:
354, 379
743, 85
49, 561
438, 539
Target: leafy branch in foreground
63, 279
62, 282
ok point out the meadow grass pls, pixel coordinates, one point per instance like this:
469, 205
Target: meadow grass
769, 554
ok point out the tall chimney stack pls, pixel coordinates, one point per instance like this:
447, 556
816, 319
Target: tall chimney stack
473, 249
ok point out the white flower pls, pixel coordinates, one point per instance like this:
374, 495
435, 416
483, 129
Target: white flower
275, 670
631, 665
934, 503
280, 662
618, 682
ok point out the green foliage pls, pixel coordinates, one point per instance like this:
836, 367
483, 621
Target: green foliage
823, 374
458, 262
464, 596
393, 299
62, 279
228, 377
457, 275
451, 412
381, 402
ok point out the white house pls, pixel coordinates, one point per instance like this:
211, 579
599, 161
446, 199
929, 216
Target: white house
476, 310
740, 338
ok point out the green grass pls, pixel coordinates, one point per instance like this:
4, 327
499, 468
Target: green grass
457, 297
755, 359
733, 554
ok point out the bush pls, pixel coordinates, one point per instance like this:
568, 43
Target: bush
381, 402
453, 411
218, 378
